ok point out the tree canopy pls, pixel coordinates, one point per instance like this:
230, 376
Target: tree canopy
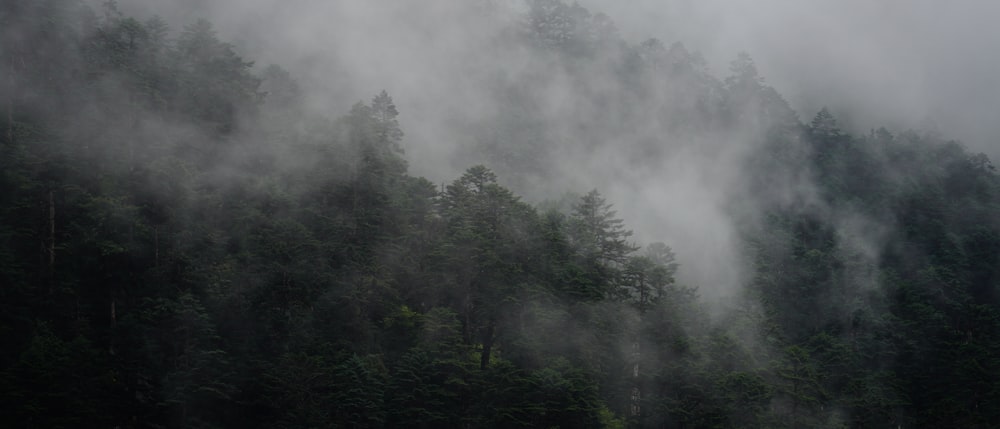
183, 243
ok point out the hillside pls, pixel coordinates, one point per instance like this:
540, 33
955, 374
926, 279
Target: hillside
188, 240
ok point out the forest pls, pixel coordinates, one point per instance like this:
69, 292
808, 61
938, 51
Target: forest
186, 241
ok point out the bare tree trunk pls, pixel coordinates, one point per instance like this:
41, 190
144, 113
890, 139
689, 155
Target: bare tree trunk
12, 90
467, 326
134, 110
51, 248
114, 323
488, 338
156, 246
795, 403
635, 398
642, 295
10, 102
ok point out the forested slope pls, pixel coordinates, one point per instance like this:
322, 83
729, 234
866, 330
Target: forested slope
183, 244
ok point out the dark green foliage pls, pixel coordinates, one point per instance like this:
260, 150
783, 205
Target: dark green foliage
80, 372
877, 331
214, 83
602, 247
182, 244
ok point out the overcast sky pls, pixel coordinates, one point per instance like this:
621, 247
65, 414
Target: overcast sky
896, 62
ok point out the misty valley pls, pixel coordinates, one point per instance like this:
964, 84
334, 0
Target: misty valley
525, 219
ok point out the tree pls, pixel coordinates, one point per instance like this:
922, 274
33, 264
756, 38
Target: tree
801, 384
487, 228
215, 84
824, 127
386, 126
601, 243
744, 78
597, 233
358, 394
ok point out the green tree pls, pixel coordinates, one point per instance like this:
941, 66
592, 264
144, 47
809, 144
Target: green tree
600, 241
487, 237
215, 84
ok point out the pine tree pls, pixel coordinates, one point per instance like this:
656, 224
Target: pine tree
601, 244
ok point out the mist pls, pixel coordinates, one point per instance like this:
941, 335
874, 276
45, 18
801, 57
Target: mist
501, 213
871, 64
442, 61
899, 64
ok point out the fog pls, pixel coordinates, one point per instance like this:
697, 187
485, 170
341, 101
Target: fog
923, 65
394, 213
895, 63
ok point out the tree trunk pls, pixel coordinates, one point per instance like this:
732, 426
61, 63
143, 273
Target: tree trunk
10, 102
488, 338
156, 246
635, 398
642, 295
51, 245
795, 404
114, 324
467, 316
134, 109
